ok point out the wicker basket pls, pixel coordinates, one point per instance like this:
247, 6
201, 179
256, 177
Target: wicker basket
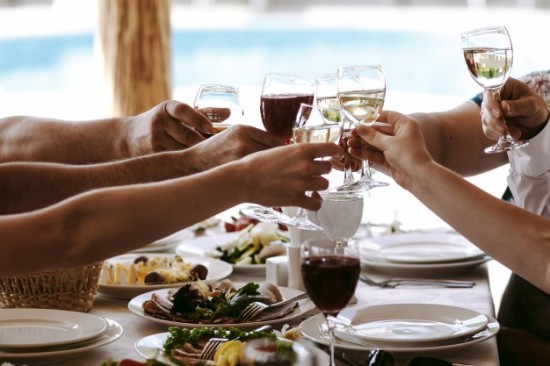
72, 289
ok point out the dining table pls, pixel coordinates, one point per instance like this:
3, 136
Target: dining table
477, 298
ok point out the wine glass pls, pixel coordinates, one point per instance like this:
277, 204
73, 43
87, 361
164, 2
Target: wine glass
212, 98
361, 92
340, 215
330, 271
488, 55
326, 98
280, 100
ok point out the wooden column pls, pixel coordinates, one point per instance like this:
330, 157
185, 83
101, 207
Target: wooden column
134, 37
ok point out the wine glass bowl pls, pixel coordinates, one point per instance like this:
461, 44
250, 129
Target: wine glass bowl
330, 271
361, 93
213, 97
488, 54
280, 100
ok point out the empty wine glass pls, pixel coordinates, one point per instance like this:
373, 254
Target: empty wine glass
330, 271
280, 100
340, 215
361, 92
221, 104
326, 98
488, 54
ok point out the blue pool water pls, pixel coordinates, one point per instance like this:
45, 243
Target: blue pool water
413, 61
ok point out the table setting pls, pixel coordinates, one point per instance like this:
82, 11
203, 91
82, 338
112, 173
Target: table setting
328, 295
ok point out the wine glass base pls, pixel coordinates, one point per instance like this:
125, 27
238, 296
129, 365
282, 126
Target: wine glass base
360, 186
267, 214
504, 145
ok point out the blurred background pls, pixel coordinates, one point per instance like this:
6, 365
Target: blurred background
50, 64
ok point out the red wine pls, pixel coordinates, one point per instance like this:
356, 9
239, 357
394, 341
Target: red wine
330, 281
279, 112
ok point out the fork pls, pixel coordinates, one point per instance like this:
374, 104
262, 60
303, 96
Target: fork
210, 348
252, 310
394, 282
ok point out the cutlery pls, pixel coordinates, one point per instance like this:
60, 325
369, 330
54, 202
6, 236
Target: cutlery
253, 310
394, 282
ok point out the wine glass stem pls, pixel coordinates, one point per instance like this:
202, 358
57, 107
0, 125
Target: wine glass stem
330, 326
506, 135
365, 170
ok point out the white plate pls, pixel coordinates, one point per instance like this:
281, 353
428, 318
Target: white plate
168, 243
111, 334
420, 248
217, 270
423, 270
409, 324
28, 328
304, 306
203, 244
314, 328
151, 347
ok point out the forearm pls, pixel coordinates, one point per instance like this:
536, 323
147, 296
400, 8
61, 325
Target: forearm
455, 140
24, 138
30, 186
106, 222
518, 239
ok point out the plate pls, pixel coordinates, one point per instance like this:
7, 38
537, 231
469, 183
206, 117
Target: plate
314, 328
409, 324
423, 270
151, 347
304, 306
167, 243
26, 328
217, 270
203, 244
111, 334
420, 248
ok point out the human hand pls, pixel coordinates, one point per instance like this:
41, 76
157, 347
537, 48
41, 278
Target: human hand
524, 110
282, 176
232, 144
396, 144
171, 125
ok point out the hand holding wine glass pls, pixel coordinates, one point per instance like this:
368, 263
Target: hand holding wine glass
361, 92
281, 97
330, 272
221, 104
488, 55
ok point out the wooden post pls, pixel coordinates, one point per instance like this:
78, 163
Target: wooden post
134, 38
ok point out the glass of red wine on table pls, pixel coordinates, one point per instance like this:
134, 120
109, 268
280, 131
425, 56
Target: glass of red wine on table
330, 271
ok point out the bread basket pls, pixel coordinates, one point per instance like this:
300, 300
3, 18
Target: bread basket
71, 289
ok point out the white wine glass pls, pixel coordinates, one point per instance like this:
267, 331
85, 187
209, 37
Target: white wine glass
340, 215
221, 103
361, 92
330, 271
489, 55
326, 99
280, 100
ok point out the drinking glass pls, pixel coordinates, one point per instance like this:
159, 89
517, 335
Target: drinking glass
280, 100
330, 271
211, 97
340, 215
326, 98
361, 92
488, 54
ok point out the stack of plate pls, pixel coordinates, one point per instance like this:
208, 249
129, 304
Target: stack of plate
405, 328
421, 254
44, 334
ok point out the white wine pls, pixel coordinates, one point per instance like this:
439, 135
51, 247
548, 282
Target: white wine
489, 67
362, 106
340, 215
329, 108
323, 133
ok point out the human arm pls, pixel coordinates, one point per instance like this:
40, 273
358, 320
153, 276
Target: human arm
170, 125
28, 186
515, 237
101, 223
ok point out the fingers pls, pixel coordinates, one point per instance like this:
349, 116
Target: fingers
187, 115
